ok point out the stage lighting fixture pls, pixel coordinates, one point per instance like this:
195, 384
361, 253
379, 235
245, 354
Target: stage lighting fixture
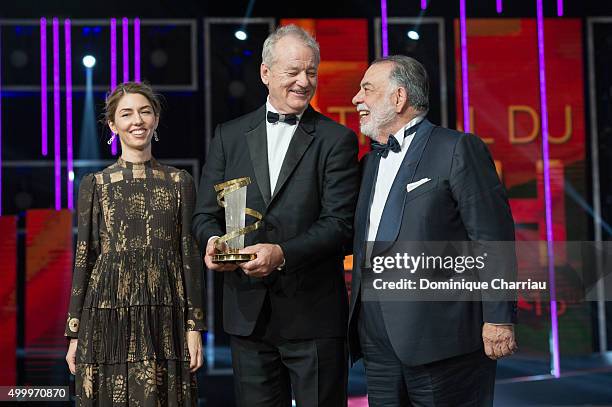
413, 35
159, 58
19, 58
241, 35
237, 89
89, 61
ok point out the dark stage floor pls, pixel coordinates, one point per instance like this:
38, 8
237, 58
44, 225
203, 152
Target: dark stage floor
521, 381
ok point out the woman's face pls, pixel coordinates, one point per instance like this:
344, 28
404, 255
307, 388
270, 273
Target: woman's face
134, 121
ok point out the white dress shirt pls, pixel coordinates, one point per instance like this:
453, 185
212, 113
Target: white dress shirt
387, 170
279, 136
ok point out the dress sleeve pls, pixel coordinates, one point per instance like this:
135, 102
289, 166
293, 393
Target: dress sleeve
87, 251
192, 263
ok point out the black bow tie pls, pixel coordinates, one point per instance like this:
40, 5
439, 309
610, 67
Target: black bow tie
383, 149
393, 144
286, 118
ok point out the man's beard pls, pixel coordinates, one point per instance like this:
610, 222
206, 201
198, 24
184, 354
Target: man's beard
379, 118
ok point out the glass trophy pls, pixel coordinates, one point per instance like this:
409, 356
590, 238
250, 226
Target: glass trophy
231, 195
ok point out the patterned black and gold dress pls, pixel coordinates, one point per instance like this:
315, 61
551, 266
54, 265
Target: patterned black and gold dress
136, 288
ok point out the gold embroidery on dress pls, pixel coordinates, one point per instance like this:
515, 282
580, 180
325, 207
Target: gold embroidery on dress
136, 206
116, 176
162, 199
88, 381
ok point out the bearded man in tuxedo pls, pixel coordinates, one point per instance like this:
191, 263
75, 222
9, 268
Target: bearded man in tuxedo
424, 183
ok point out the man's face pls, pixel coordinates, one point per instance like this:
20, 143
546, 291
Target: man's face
374, 101
292, 78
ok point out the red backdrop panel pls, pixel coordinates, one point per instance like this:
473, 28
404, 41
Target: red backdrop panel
48, 278
505, 108
8, 300
504, 93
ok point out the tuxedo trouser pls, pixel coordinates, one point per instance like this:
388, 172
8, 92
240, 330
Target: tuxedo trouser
464, 380
267, 368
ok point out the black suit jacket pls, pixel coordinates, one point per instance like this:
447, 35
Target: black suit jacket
464, 201
310, 215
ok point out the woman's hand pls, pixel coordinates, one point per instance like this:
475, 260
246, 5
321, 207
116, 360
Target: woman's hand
71, 355
194, 343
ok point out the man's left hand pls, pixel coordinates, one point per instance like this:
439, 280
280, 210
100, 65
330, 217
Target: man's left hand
269, 258
498, 340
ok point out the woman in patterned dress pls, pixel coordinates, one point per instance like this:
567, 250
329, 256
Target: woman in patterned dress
136, 309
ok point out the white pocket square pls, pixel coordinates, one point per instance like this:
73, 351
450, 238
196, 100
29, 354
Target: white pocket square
413, 185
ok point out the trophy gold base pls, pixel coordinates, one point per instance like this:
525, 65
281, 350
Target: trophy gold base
233, 257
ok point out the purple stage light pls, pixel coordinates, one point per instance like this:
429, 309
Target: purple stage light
126, 48
554, 332
43, 87
69, 154
384, 28
464, 67
113, 69
56, 116
559, 8
498, 6
137, 49
423, 4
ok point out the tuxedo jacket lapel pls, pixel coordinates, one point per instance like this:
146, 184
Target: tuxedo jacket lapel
258, 149
391, 219
299, 143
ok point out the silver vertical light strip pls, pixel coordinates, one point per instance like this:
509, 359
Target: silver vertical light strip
601, 304
208, 126
207, 88
210, 275
443, 86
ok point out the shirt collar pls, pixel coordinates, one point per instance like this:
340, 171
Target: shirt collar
399, 136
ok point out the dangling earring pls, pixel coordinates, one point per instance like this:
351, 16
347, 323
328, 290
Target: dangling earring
155, 135
110, 140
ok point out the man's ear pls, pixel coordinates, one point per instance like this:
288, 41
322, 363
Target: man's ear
264, 72
401, 100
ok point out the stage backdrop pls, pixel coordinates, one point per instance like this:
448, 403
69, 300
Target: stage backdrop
505, 111
8, 300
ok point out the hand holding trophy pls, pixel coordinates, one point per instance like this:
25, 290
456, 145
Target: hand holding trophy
231, 195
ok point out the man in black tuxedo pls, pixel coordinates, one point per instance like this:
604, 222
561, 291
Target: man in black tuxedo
424, 183
286, 311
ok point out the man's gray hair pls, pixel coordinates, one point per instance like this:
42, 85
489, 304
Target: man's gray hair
410, 74
267, 54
